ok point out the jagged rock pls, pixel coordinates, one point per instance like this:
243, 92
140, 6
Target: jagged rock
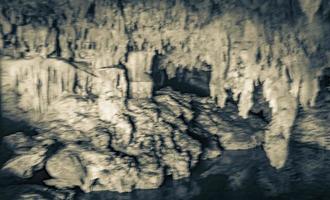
157, 132
24, 165
141, 141
111, 108
122, 131
312, 126
106, 172
233, 132
26, 191
95, 171
55, 75
18, 142
30, 155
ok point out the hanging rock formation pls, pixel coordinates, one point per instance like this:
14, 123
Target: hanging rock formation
88, 67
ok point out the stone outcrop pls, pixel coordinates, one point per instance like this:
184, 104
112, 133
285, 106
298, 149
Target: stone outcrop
83, 73
135, 149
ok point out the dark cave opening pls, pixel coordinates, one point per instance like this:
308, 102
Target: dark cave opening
193, 81
260, 106
324, 85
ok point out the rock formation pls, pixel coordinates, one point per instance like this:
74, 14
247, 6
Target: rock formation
83, 73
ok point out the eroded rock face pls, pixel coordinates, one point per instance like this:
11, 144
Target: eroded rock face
31, 85
83, 74
110, 155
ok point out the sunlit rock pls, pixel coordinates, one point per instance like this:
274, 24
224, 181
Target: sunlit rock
113, 93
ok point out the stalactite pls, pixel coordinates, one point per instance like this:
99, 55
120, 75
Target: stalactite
68, 48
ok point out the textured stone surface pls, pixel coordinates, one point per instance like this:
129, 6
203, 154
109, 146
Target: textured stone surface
83, 74
111, 155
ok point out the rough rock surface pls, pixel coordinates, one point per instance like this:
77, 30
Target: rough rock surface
135, 149
91, 77
143, 144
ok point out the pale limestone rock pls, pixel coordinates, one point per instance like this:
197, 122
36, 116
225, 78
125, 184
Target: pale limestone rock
211, 153
110, 109
34, 191
66, 170
64, 122
123, 131
35, 83
310, 8
280, 52
6, 25
139, 70
113, 82
18, 143
151, 175
141, 89
113, 92
24, 165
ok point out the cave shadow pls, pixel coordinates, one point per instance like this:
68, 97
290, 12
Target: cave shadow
185, 80
8, 127
10, 180
245, 174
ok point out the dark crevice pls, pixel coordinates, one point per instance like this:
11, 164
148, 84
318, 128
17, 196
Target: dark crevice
185, 80
231, 101
228, 58
122, 66
131, 121
323, 96
91, 12
197, 132
260, 108
57, 39
38, 177
9, 126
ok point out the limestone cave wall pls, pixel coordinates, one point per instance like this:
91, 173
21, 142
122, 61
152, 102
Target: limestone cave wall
108, 49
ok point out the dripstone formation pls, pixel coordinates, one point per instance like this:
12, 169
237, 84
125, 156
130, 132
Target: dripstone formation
122, 94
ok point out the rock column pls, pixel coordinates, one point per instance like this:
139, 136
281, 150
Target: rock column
139, 70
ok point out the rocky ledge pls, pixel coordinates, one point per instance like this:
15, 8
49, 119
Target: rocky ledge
143, 144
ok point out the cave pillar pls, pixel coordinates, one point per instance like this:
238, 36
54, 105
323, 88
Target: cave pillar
113, 92
139, 69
